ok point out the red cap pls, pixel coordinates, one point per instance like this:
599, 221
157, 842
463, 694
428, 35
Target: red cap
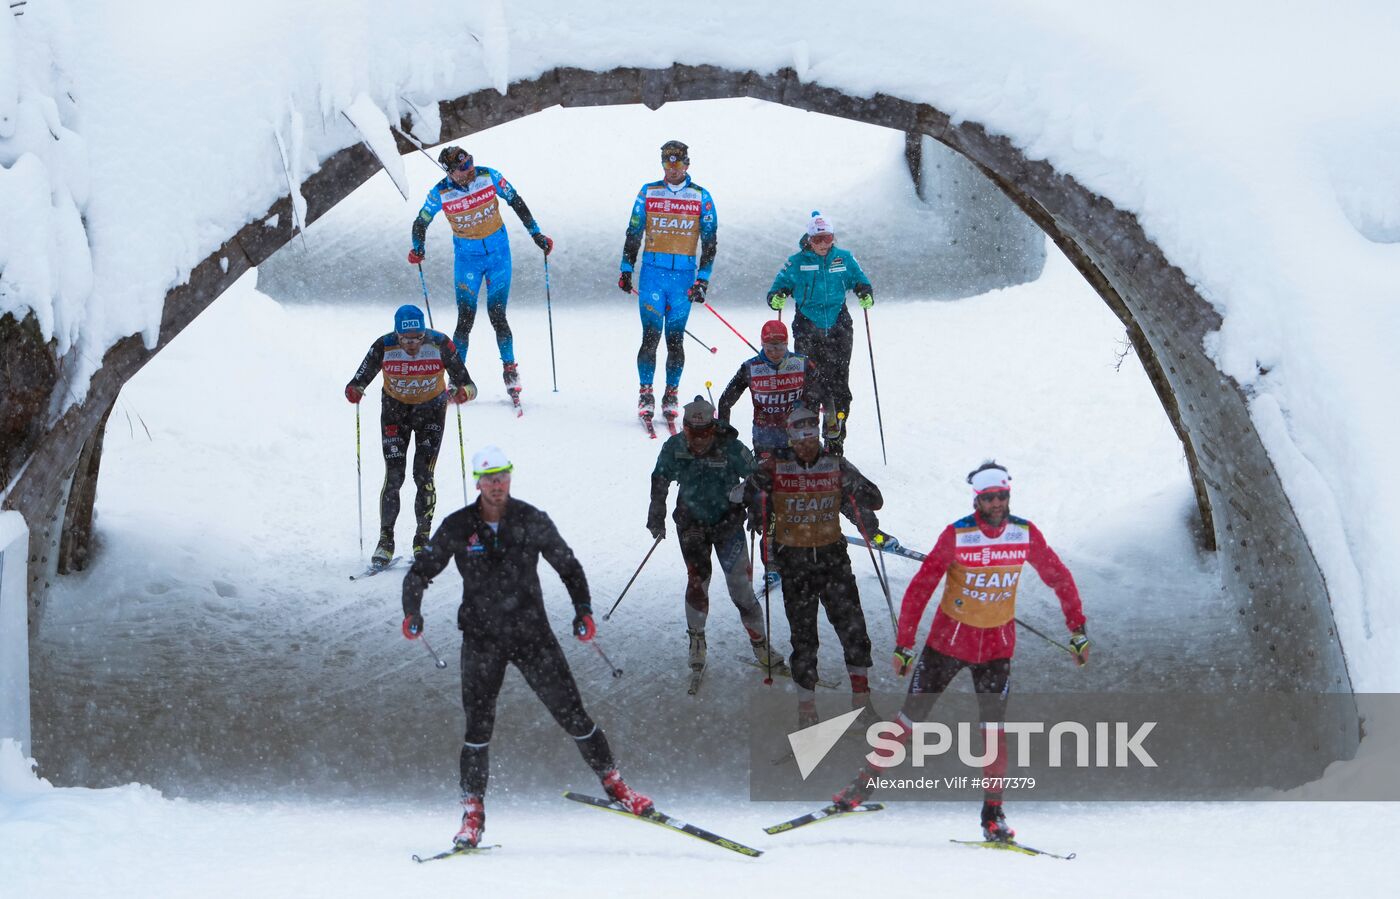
774, 331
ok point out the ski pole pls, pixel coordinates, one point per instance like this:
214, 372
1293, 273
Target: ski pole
884, 585
359, 482
1044, 637
730, 327
428, 646
616, 672
880, 419
634, 576
767, 607
462, 454
712, 402
423, 282
713, 349
549, 308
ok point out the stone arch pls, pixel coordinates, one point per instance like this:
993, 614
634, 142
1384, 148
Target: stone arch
1270, 575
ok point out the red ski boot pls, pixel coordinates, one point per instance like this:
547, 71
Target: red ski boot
625, 796
473, 822
994, 828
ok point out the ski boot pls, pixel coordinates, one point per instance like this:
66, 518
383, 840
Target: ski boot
768, 658
510, 373
772, 582
697, 650
473, 822
384, 552
885, 541
420, 543
835, 431
670, 404
625, 796
994, 829
646, 402
854, 793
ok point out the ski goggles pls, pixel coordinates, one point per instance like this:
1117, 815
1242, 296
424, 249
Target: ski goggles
1003, 495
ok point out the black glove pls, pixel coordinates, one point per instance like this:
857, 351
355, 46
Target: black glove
624, 282
697, 290
755, 520
656, 521
543, 242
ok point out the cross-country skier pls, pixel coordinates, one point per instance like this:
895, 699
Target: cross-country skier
710, 465
816, 278
777, 381
414, 360
497, 542
676, 216
975, 625
470, 196
802, 500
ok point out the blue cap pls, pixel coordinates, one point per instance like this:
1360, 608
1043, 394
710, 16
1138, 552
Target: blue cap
409, 318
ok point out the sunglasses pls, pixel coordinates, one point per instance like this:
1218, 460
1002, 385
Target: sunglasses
1003, 495
701, 430
413, 337
673, 159
821, 238
463, 165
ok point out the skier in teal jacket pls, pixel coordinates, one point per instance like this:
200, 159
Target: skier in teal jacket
816, 278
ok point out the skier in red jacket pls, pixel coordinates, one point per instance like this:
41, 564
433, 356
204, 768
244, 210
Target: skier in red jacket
975, 625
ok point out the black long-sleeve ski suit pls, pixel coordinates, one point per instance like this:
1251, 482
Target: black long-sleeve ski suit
503, 621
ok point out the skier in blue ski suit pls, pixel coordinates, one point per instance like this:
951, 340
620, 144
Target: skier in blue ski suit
676, 216
470, 195
818, 276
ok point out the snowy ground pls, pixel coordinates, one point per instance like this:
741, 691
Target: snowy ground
217, 653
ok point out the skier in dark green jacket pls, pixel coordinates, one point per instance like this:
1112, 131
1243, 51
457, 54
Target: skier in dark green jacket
710, 465
816, 278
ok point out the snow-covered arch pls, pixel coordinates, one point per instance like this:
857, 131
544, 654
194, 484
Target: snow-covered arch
1271, 575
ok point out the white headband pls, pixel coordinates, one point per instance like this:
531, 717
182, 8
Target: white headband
990, 479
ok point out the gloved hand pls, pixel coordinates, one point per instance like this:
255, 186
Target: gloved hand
656, 521
777, 299
584, 628
412, 626
866, 300
354, 394
886, 541
903, 660
543, 242
624, 282
416, 256
463, 394
1079, 643
696, 294
755, 520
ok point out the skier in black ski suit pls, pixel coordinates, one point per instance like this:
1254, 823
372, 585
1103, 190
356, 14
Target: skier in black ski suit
497, 542
416, 361
802, 499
